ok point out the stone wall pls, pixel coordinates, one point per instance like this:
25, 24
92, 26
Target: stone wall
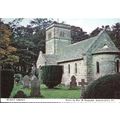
89, 70
58, 30
102, 40
107, 65
57, 37
50, 46
60, 45
81, 71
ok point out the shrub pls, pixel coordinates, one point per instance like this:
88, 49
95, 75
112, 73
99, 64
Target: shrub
106, 87
7, 82
51, 75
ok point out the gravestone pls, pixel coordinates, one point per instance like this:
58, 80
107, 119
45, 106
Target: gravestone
20, 94
73, 83
39, 73
82, 83
17, 78
26, 81
35, 87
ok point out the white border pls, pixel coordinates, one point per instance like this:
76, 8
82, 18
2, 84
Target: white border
37, 100
60, 9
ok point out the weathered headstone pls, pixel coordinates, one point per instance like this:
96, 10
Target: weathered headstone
35, 87
20, 94
82, 83
26, 81
39, 73
17, 78
73, 83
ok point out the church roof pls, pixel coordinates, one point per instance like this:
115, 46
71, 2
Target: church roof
107, 50
76, 50
50, 59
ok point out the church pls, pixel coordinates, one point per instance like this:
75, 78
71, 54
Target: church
87, 60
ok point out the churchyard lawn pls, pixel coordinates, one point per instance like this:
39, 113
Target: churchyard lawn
60, 92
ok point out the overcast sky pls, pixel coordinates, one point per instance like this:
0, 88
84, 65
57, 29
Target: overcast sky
88, 24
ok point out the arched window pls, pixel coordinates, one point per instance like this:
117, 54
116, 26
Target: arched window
62, 34
117, 65
68, 68
49, 35
75, 67
97, 67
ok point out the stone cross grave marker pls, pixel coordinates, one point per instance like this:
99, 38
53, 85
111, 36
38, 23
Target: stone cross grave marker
73, 83
35, 87
83, 83
26, 81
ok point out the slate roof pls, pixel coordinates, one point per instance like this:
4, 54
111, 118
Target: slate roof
76, 50
107, 50
71, 52
51, 59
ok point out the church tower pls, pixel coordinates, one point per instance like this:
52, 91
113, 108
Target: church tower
58, 36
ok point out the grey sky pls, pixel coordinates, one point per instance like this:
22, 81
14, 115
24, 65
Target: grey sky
90, 24
87, 24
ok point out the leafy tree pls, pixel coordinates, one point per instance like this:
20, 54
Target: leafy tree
115, 34
29, 40
22, 40
39, 26
7, 52
96, 31
41, 22
78, 34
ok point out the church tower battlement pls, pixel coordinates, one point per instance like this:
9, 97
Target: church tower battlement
58, 36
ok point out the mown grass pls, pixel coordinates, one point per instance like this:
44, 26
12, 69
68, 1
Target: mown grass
60, 92
20, 87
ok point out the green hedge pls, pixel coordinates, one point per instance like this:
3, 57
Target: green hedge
51, 75
7, 82
106, 87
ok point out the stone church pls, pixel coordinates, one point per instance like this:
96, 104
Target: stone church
87, 60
